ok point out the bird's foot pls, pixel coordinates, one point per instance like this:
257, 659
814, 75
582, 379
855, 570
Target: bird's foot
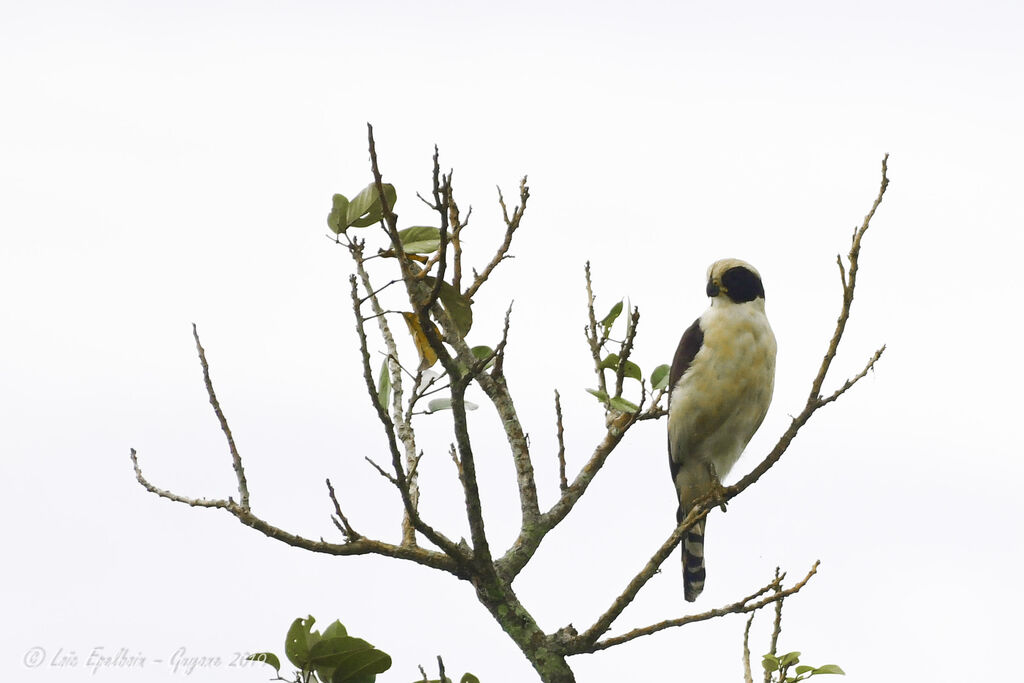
718, 492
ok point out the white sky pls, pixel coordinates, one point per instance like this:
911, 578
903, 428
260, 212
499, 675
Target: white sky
164, 164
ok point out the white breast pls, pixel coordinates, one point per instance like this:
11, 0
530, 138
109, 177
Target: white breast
721, 400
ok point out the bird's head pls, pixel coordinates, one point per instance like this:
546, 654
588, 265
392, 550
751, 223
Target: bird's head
734, 280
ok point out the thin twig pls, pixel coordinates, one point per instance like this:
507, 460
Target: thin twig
849, 282
458, 464
591, 333
563, 483
341, 522
604, 622
499, 351
362, 546
743, 606
511, 225
777, 625
383, 472
625, 349
856, 378
456, 239
236, 459
194, 502
814, 399
399, 478
401, 424
496, 389
748, 677
530, 538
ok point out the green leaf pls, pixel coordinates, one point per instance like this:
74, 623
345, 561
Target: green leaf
481, 352
612, 315
803, 668
335, 630
830, 669
383, 394
601, 396
770, 663
365, 209
789, 659
361, 665
298, 641
632, 370
458, 306
332, 651
446, 404
611, 362
659, 378
622, 405
420, 239
339, 212
267, 658
469, 678
347, 659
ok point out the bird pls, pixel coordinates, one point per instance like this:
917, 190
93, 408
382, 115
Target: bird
720, 386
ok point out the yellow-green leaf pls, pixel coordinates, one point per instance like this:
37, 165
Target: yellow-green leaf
427, 355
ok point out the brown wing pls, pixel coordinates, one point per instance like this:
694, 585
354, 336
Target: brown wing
689, 345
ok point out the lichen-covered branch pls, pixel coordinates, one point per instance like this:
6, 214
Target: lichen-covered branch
563, 483
403, 424
401, 479
748, 676
236, 459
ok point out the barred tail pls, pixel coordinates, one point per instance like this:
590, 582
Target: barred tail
693, 561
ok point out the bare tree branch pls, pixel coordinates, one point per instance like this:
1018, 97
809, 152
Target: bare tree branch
194, 502
814, 400
856, 378
849, 283
524, 547
458, 225
604, 622
748, 677
591, 332
742, 606
341, 521
402, 424
777, 626
511, 225
362, 546
627, 347
563, 483
496, 390
432, 534
236, 459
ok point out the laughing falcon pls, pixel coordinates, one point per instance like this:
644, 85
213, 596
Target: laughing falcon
721, 384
